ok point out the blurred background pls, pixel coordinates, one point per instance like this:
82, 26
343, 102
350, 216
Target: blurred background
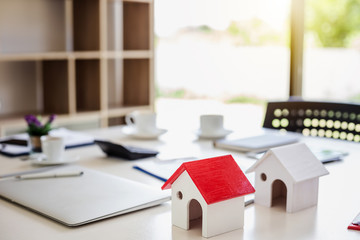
231, 56
183, 58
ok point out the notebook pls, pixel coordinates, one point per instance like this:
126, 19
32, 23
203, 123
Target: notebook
324, 155
257, 143
74, 201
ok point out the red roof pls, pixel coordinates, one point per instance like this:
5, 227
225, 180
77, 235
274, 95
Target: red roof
217, 179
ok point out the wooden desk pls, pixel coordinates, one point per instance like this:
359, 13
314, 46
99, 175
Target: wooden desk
339, 199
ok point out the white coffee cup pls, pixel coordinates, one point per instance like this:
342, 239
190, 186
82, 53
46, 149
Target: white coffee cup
211, 124
142, 121
53, 148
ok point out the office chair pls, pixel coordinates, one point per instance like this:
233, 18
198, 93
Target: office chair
311, 118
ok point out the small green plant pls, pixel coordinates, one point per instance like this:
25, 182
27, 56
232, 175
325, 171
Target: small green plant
36, 128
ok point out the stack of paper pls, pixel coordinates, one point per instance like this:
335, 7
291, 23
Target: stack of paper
16, 145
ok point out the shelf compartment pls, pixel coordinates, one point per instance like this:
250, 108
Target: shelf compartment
55, 86
128, 83
87, 84
86, 25
19, 89
32, 26
136, 74
116, 121
136, 27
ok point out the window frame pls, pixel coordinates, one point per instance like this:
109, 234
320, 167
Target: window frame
296, 47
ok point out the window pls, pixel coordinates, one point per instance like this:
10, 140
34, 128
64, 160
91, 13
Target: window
332, 50
211, 56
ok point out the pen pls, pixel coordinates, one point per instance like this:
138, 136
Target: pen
51, 175
30, 172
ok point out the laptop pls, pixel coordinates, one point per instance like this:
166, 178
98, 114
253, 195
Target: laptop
78, 200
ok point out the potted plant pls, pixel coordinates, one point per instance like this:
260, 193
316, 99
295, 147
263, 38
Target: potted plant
36, 129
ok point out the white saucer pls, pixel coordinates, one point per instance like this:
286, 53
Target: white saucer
130, 131
41, 160
215, 135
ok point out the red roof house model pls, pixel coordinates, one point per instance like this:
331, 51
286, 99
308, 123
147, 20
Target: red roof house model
212, 189
217, 179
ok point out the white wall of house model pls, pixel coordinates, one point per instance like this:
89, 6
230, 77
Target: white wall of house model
292, 170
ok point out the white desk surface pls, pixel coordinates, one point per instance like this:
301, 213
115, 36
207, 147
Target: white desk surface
339, 199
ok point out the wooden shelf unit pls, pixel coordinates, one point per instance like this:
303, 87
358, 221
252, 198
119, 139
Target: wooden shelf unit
73, 58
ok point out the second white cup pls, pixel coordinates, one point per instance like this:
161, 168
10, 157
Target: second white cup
211, 124
53, 148
142, 121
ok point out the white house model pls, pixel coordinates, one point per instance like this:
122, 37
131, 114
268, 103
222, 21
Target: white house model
291, 171
213, 188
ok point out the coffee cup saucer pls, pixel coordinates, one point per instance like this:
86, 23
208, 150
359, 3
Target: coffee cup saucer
220, 133
40, 159
133, 132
